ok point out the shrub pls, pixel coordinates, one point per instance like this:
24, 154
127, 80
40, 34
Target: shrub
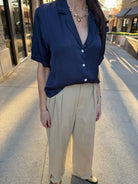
123, 33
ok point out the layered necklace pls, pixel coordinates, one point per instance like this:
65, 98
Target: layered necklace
77, 16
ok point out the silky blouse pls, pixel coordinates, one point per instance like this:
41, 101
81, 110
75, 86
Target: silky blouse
56, 44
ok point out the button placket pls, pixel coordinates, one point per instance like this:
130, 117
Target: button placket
83, 64
82, 50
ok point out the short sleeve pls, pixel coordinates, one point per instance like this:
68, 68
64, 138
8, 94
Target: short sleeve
102, 51
40, 51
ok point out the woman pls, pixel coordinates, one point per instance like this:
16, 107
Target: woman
69, 44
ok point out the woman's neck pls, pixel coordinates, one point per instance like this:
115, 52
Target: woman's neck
77, 5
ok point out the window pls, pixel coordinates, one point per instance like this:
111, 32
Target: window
27, 23
4, 31
18, 28
125, 24
134, 28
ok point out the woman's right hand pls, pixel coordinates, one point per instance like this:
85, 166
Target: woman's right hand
45, 118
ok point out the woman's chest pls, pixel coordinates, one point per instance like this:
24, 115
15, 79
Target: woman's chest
65, 33
82, 28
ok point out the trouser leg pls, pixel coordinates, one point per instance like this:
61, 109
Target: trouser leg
84, 130
62, 112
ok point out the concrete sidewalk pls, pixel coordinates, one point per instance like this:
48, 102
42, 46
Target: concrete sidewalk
23, 140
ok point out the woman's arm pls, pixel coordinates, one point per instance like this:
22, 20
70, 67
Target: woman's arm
42, 76
98, 111
99, 90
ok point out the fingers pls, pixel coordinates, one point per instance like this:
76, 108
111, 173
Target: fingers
98, 116
45, 119
48, 123
98, 113
45, 123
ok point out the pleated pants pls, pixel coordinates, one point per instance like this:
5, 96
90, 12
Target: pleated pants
72, 112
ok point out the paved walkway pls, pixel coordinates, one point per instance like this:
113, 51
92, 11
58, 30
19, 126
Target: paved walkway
23, 140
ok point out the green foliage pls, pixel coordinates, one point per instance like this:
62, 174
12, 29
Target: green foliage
124, 33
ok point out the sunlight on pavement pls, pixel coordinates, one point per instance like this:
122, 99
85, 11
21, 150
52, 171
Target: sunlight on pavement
22, 141
132, 107
18, 107
129, 64
122, 60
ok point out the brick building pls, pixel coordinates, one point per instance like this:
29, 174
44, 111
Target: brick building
16, 22
112, 20
127, 18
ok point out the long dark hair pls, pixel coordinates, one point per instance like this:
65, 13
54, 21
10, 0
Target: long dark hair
100, 19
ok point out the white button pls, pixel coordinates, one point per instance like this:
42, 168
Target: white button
83, 65
82, 50
85, 79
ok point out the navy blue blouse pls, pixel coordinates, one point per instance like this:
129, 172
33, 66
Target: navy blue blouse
56, 44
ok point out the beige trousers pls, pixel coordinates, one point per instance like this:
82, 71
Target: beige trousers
72, 112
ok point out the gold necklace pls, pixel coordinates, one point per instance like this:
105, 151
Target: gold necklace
76, 15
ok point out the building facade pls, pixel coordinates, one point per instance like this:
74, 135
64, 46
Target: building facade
112, 20
127, 18
16, 25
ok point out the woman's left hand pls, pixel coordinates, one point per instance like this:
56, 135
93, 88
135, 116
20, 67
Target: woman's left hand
98, 111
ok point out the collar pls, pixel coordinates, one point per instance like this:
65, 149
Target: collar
63, 7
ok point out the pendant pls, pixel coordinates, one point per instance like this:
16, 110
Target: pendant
78, 19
